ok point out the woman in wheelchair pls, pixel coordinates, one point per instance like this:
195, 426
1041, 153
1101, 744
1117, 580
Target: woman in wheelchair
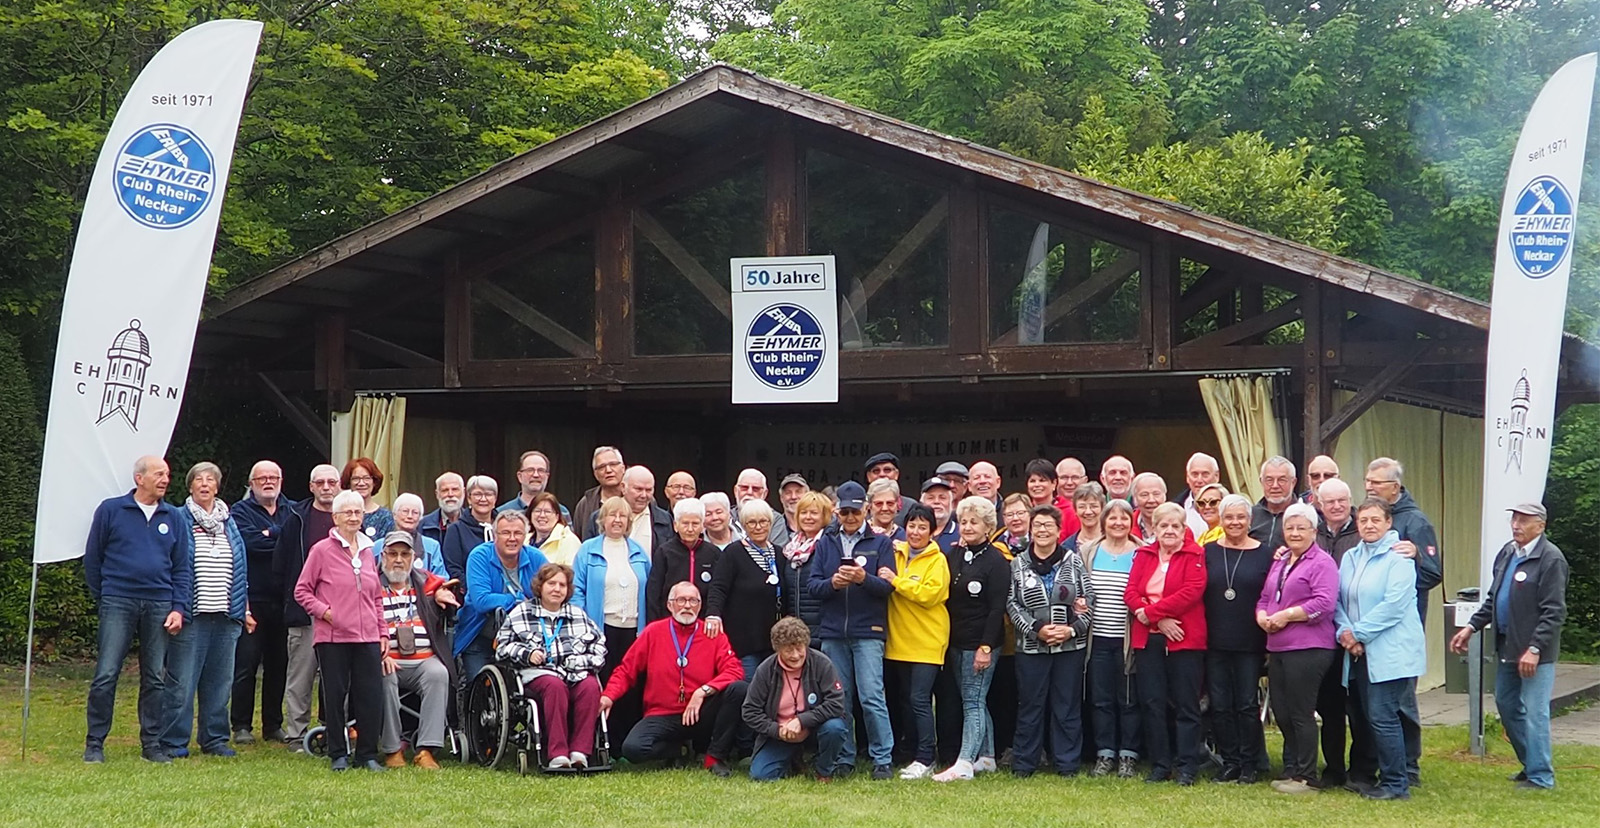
558, 652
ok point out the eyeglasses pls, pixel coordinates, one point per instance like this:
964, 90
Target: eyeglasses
609, 464
508, 533
1371, 482
685, 602
535, 472
1208, 502
350, 512
324, 484
361, 479
266, 478
756, 522
482, 494
1321, 475
545, 512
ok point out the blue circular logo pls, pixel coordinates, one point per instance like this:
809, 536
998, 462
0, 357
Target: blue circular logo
164, 176
1541, 227
785, 346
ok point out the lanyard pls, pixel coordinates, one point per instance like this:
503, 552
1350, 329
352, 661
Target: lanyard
550, 638
511, 581
411, 606
683, 652
691, 560
1283, 575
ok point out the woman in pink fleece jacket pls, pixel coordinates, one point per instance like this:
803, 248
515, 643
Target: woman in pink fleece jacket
340, 589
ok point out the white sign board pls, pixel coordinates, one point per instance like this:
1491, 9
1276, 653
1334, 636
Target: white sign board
785, 330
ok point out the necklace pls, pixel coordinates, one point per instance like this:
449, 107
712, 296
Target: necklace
1228, 593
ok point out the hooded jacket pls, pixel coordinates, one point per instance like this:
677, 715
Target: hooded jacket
1378, 604
463, 536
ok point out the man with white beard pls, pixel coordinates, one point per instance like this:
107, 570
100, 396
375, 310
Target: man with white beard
451, 492
1277, 485
418, 658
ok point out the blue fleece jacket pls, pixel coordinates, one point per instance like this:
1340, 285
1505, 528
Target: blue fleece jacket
859, 610
128, 556
487, 590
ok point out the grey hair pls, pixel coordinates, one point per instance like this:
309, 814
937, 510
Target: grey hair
347, 500
1386, 464
1232, 500
407, 498
599, 450
1209, 486
1337, 484
979, 507
882, 484
482, 481
713, 497
1200, 455
1088, 490
754, 508
439, 481
1301, 510
689, 506
512, 514
1145, 476
1277, 460
203, 467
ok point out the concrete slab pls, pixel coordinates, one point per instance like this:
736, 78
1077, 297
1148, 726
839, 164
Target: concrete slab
1580, 727
1574, 683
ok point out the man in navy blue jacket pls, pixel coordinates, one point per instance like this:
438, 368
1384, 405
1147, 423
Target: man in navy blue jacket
137, 564
854, 621
260, 516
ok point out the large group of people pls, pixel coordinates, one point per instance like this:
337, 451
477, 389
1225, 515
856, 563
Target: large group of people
1070, 624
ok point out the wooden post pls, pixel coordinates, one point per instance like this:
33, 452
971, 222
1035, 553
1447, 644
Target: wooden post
1317, 387
786, 234
614, 283
967, 288
457, 322
1163, 293
332, 361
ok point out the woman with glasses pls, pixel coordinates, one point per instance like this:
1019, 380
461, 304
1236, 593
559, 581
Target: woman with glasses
746, 596
340, 589
686, 556
474, 528
1208, 505
550, 534
565, 651
609, 577
408, 518
362, 476
1014, 523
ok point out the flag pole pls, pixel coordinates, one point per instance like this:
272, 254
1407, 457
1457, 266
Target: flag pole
27, 670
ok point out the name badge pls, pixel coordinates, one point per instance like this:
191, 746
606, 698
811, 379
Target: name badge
266, 533
968, 556
705, 576
861, 560
772, 579
371, 531
1033, 582
974, 587
162, 528
1521, 576
811, 698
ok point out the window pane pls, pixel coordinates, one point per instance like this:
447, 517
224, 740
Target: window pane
1051, 284
557, 285
681, 248
889, 236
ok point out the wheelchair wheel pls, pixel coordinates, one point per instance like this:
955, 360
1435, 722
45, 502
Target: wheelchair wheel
315, 741
489, 717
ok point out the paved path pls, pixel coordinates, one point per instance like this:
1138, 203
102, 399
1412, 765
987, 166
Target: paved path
1574, 683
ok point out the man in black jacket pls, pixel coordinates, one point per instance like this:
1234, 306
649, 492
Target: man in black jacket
1277, 486
260, 516
1418, 540
1526, 604
794, 700
307, 522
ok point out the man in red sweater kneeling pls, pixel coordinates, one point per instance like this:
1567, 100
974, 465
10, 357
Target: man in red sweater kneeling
693, 687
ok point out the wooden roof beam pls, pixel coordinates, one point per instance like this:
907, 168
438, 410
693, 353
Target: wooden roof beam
537, 322
1369, 394
299, 415
902, 251
1213, 285
1254, 326
389, 351
684, 261
556, 182
1091, 290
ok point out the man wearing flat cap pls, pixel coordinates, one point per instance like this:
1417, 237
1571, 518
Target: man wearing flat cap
886, 464
955, 476
1526, 604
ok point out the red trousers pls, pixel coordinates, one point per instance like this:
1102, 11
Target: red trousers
570, 713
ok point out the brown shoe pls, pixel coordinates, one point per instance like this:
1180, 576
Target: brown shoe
395, 760
424, 759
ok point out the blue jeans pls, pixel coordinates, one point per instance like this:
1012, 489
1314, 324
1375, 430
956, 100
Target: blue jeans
1116, 705
1049, 700
751, 662
200, 661
772, 759
860, 665
120, 620
977, 728
1524, 706
1390, 710
473, 657
916, 680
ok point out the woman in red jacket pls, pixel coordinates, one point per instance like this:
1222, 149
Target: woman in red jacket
1169, 641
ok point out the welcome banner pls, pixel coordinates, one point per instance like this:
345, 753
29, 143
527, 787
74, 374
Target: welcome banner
138, 276
1538, 218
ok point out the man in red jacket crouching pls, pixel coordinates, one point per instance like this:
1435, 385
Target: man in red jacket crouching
693, 687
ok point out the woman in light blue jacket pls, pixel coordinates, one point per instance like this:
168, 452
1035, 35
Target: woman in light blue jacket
1381, 634
608, 584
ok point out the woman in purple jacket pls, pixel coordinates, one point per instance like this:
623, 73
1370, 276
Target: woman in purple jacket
339, 589
1296, 610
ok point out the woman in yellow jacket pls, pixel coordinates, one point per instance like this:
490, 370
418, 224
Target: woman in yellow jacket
919, 627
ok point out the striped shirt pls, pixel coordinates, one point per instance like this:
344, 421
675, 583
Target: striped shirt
400, 610
213, 571
1109, 575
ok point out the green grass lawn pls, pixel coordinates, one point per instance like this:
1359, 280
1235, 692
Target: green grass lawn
266, 786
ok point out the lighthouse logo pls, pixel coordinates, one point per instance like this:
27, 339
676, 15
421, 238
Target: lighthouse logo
1518, 428
126, 362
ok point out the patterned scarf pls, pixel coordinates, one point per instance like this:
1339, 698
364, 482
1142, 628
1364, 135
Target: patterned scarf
799, 548
212, 522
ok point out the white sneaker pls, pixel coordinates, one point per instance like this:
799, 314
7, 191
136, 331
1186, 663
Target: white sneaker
962, 769
579, 760
985, 764
915, 770
560, 762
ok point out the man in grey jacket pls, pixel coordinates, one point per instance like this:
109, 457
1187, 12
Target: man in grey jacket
794, 700
1526, 604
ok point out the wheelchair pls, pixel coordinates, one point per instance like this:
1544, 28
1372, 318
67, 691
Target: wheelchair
315, 740
502, 721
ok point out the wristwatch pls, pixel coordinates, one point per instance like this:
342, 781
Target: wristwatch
1533, 649
985, 649
707, 690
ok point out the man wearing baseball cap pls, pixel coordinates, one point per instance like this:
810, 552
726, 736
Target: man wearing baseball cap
854, 622
885, 464
1526, 605
940, 497
793, 487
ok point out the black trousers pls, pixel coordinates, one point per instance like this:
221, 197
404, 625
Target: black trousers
1296, 680
628, 710
1170, 679
1332, 706
947, 715
1003, 702
655, 738
1233, 680
352, 689
266, 649
1049, 702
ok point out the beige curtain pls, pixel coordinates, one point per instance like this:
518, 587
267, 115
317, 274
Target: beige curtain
1247, 429
374, 427
1443, 459
431, 448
